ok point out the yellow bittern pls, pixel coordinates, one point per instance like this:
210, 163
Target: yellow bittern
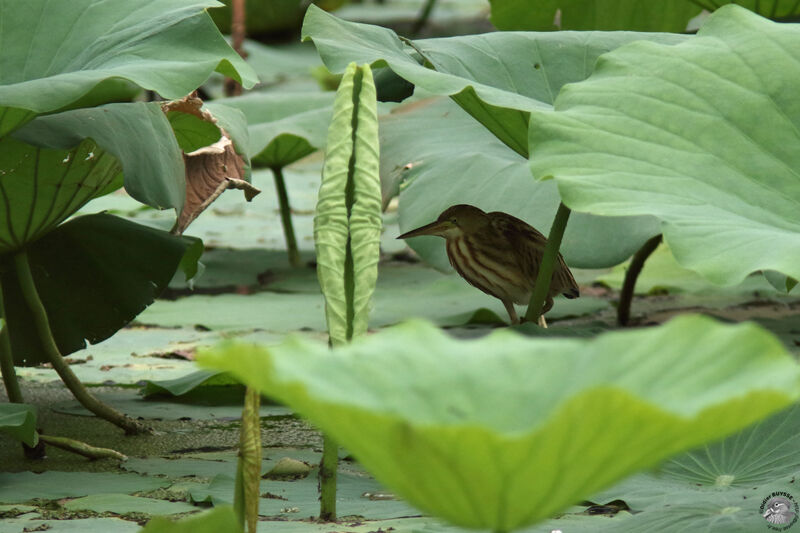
499, 254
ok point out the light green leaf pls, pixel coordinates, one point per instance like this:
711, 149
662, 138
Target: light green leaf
701, 135
347, 225
19, 421
137, 134
94, 274
498, 77
478, 420
438, 156
55, 53
283, 127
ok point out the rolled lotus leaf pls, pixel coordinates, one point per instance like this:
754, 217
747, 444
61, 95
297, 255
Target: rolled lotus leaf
347, 225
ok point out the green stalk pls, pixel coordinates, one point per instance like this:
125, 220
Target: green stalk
286, 217
81, 448
545, 276
424, 15
626, 294
248, 470
327, 479
7, 361
31, 295
238, 496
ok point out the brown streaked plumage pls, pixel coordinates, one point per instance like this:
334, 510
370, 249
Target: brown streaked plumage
499, 254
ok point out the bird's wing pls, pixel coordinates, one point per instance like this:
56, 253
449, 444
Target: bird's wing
528, 244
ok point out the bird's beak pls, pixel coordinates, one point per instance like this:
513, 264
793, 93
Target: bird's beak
434, 228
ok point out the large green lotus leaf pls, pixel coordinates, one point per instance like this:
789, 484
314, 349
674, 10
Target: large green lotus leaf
125, 131
56, 52
664, 15
442, 157
19, 421
40, 187
719, 487
283, 127
496, 77
94, 274
702, 135
478, 420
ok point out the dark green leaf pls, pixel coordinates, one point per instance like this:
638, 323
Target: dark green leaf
94, 274
41, 187
138, 135
19, 421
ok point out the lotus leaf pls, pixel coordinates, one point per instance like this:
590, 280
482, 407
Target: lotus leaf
702, 135
56, 52
496, 77
505, 431
94, 274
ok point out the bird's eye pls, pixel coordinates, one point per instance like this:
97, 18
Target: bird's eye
453, 221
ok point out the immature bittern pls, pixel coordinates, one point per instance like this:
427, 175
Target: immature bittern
499, 254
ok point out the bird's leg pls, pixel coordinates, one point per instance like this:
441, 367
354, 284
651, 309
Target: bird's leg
512, 313
548, 304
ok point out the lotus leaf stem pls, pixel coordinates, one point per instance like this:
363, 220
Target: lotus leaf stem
424, 15
7, 361
248, 471
543, 279
327, 479
31, 296
286, 217
81, 448
238, 31
632, 274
